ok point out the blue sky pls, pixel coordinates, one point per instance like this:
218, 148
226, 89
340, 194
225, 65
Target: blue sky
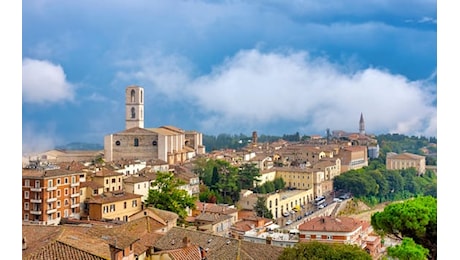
275, 67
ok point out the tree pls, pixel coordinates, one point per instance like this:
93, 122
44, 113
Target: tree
415, 218
247, 175
317, 251
261, 209
167, 195
408, 250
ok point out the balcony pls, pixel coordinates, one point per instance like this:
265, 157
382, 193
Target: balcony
51, 200
36, 212
36, 189
51, 211
76, 205
74, 195
35, 200
75, 184
51, 188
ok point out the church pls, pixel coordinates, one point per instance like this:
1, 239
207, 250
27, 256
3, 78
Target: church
168, 143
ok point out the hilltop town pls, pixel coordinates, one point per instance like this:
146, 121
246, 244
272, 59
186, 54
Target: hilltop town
93, 204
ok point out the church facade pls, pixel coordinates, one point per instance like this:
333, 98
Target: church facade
167, 143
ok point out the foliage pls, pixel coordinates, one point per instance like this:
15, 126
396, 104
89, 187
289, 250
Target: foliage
408, 250
261, 209
317, 251
167, 195
376, 184
270, 186
247, 175
415, 218
412, 144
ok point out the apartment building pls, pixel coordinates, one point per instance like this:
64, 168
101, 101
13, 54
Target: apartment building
353, 157
402, 161
345, 230
116, 205
111, 180
49, 195
139, 184
278, 202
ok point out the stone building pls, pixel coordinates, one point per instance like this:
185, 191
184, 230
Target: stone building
167, 143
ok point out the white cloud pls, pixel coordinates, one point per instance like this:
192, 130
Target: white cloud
265, 88
44, 82
36, 141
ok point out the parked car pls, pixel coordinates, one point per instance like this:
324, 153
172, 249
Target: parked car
289, 222
286, 214
299, 217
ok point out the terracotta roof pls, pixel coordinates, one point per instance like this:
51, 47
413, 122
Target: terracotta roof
218, 247
109, 197
105, 172
59, 250
185, 253
30, 173
328, 224
405, 156
92, 184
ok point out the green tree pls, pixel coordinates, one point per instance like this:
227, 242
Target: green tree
414, 218
318, 251
261, 209
408, 250
167, 195
247, 175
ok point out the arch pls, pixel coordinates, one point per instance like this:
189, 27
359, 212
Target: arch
133, 95
133, 112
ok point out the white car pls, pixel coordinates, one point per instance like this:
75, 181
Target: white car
289, 222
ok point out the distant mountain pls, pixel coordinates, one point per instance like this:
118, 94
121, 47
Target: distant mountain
80, 146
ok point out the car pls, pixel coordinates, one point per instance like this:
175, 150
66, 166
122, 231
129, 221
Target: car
321, 206
286, 214
289, 222
337, 200
299, 217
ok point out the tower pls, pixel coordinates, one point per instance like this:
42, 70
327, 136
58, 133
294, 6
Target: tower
134, 107
361, 125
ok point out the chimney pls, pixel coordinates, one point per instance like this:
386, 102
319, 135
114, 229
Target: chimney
186, 242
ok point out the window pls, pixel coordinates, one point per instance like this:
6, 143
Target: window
50, 183
66, 213
26, 216
26, 194
58, 214
124, 205
66, 180
66, 192
154, 143
58, 204
138, 186
37, 184
27, 183
66, 202
112, 207
95, 192
106, 181
133, 112
329, 237
136, 141
113, 180
74, 179
105, 209
134, 203
119, 179
26, 205
117, 143
58, 193
133, 95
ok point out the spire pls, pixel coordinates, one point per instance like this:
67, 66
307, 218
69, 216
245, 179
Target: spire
361, 125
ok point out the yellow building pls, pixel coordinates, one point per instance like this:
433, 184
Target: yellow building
117, 205
405, 161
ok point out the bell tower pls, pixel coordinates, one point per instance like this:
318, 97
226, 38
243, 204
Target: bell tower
362, 131
134, 107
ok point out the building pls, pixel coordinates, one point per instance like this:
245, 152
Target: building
353, 157
109, 179
344, 230
167, 143
278, 202
49, 195
405, 161
116, 205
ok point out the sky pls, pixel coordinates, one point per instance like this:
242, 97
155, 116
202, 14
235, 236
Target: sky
275, 67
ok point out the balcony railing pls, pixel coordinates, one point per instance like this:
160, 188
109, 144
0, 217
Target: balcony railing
76, 205
75, 184
51, 200
36, 212
51, 211
74, 195
35, 200
51, 188
36, 189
